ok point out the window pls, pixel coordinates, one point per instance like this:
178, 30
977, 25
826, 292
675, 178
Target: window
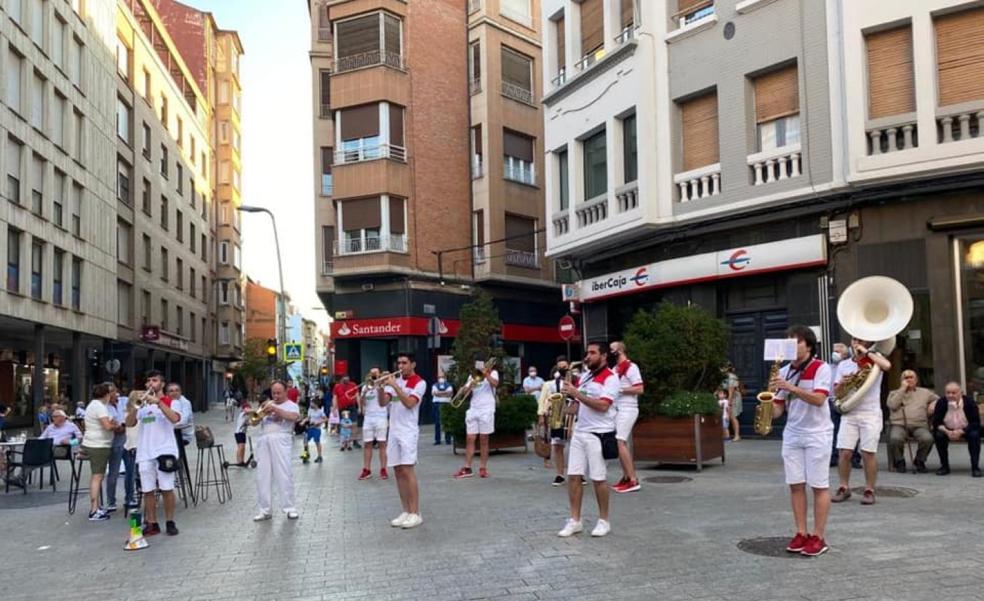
517, 76
165, 264
123, 121
79, 130
75, 62
360, 133
191, 152
145, 146
564, 185
326, 183
361, 222
516, 9
180, 136
123, 182
479, 225
164, 110
14, 151
324, 80
145, 310
193, 327
164, 213
237, 257
148, 253
595, 166
37, 184
891, 83
477, 152
192, 240
521, 241
630, 153
15, 63
224, 214
223, 293
202, 164
628, 14
374, 39
592, 29
560, 27
147, 85
327, 250
76, 284
58, 42
475, 67
224, 253
123, 234
58, 122
164, 161
700, 131
165, 313
77, 210
518, 157
204, 247
37, 260
124, 304
38, 103
179, 170
224, 332
122, 59
777, 108
204, 289
179, 225
192, 276
58, 277
691, 11
145, 197
179, 273
58, 200
224, 132
13, 259
37, 22
960, 56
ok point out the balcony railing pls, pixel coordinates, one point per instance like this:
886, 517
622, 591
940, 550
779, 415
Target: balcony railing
592, 211
477, 166
702, 182
960, 122
370, 152
475, 86
325, 112
892, 134
324, 34
478, 254
518, 93
775, 165
368, 59
694, 14
590, 59
626, 34
524, 173
474, 6
358, 246
522, 258
560, 79
327, 267
561, 223
627, 197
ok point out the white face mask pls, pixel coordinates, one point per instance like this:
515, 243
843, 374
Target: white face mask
556, 375
836, 357
441, 380
532, 374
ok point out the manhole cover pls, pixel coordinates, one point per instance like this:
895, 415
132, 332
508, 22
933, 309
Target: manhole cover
897, 492
667, 479
771, 546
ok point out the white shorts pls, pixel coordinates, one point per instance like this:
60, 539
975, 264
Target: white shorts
401, 450
479, 423
151, 478
865, 428
807, 459
625, 419
584, 457
375, 428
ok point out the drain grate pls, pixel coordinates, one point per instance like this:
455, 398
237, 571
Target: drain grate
895, 492
770, 546
667, 479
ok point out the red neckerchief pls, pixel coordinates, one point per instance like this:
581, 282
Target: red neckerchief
623, 367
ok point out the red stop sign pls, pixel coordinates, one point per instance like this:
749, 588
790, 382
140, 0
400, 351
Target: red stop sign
566, 327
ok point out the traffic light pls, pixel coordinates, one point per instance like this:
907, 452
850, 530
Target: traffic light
271, 351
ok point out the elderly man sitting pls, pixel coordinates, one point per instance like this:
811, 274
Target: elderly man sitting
60, 430
958, 418
909, 407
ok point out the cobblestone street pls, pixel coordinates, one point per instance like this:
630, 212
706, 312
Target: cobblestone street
496, 539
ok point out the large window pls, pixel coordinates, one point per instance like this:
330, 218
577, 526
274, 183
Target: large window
124, 300
517, 76
123, 59
475, 67
777, 108
13, 259
14, 151
518, 10
14, 69
960, 56
58, 278
123, 182
37, 261
630, 155
165, 264
37, 184
521, 241
592, 30
326, 158
891, 81
361, 221
595, 166
58, 200
58, 42
699, 121
324, 78
76, 284
518, 163
971, 261
165, 210
564, 185
373, 39
77, 210
38, 104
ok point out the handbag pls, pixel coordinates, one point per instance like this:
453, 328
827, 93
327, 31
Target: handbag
204, 437
167, 463
609, 444
541, 441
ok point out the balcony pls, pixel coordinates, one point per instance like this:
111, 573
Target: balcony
560, 79
522, 258
892, 134
692, 20
371, 58
702, 182
475, 86
592, 211
960, 122
519, 172
627, 197
325, 112
369, 150
775, 164
561, 222
517, 93
477, 167
629, 33
590, 59
374, 244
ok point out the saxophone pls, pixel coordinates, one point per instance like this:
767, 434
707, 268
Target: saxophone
763, 413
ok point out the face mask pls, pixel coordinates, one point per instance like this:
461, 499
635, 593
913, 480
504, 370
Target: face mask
612, 360
441, 380
836, 357
557, 375
532, 374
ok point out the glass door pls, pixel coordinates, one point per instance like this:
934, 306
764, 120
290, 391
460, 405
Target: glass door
971, 277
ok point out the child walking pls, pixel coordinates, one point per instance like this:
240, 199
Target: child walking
346, 431
333, 422
315, 420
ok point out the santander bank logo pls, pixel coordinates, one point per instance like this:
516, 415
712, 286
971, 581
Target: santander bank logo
344, 330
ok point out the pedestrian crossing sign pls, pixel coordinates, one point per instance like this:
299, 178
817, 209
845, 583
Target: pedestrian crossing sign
293, 352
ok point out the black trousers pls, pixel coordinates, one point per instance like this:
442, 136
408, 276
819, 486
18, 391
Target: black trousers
973, 438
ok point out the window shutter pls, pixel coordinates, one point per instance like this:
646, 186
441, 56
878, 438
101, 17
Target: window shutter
519, 233
391, 33
517, 146
326, 158
360, 122
776, 94
561, 43
361, 214
685, 7
960, 56
516, 69
480, 228
358, 35
396, 124
628, 13
477, 139
700, 131
327, 241
476, 58
891, 83
397, 225
592, 26
325, 87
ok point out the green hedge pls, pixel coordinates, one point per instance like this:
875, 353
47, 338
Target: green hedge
514, 415
685, 404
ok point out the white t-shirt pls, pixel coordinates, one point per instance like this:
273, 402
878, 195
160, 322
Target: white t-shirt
533, 384
156, 434
96, 437
403, 421
483, 396
628, 375
802, 418
604, 386
370, 404
274, 424
871, 402
241, 420
316, 417
448, 388
62, 434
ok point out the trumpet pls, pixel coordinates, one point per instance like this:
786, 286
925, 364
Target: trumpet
369, 382
466, 390
255, 417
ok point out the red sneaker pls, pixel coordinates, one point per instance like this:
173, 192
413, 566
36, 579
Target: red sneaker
619, 484
365, 475
383, 474
798, 543
627, 486
464, 472
483, 473
814, 546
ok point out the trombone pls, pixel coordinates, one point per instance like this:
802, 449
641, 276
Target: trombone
465, 391
368, 383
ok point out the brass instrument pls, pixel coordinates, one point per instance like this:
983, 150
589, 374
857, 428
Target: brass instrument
369, 382
558, 418
763, 412
465, 391
255, 417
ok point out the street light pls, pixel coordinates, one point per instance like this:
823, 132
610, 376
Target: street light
282, 326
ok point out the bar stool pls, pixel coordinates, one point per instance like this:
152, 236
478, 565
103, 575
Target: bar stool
211, 471
74, 485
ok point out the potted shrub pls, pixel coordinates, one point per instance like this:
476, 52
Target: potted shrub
513, 417
679, 350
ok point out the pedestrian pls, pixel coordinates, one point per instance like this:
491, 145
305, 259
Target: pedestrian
273, 454
626, 413
441, 393
532, 383
60, 430
44, 415
315, 420
345, 398
333, 422
242, 423
722, 397
345, 432
375, 426
731, 384
230, 405
98, 444
405, 392
80, 410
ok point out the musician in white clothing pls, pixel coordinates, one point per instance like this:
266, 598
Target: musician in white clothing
374, 426
480, 422
404, 394
273, 453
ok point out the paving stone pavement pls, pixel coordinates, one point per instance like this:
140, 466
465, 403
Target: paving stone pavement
496, 539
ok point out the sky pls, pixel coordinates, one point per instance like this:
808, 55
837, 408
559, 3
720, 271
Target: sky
276, 128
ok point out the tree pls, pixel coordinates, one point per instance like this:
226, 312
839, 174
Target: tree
479, 323
254, 369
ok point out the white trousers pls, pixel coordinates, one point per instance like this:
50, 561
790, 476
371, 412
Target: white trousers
273, 470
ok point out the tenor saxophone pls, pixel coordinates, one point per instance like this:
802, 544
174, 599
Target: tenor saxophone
763, 412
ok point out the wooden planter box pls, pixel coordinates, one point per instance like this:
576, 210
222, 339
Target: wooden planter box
678, 440
497, 442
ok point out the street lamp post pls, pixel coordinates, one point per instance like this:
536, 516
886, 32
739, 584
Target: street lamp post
282, 309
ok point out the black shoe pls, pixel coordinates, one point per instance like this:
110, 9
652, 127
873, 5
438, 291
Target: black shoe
171, 529
357, 445
976, 473
920, 466
558, 481
943, 471
900, 466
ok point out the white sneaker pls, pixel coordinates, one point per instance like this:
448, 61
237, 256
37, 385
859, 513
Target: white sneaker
260, 517
601, 528
399, 520
413, 520
292, 514
571, 528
